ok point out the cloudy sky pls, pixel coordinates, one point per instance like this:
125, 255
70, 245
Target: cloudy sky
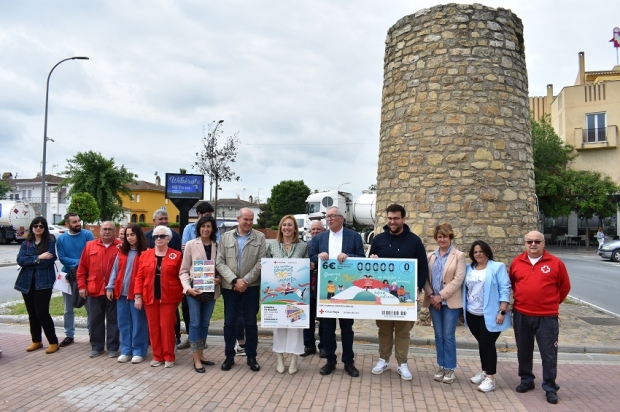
299, 81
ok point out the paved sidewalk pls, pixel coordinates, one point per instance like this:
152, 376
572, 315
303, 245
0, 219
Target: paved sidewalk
70, 381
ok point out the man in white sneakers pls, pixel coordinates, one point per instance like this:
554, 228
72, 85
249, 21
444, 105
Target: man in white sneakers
397, 241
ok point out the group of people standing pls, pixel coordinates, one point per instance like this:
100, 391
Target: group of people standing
133, 291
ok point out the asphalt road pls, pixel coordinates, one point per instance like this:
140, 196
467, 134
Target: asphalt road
594, 280
8, 275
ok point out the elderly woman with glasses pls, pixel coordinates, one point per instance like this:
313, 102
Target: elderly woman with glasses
35, 281
158, 288
443, 298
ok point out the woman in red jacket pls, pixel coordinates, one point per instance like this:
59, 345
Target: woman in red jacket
132, 324
159, 289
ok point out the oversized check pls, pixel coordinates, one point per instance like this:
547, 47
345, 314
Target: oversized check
285, 293
359, 288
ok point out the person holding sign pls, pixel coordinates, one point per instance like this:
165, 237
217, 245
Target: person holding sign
337, 243
443, 298
397, 241
287, 245
199, 265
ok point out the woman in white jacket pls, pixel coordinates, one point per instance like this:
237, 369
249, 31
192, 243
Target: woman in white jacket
486, 291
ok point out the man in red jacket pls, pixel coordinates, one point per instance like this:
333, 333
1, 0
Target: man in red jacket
540, 283
93, 275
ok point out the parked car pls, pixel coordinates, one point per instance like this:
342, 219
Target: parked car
57, 230
610, 250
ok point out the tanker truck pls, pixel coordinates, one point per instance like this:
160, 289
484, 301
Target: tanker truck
360, 211
15, 218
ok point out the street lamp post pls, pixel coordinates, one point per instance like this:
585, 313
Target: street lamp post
338, 188
45, 138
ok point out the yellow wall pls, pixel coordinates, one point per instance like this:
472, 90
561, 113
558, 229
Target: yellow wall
568, 117
150, 201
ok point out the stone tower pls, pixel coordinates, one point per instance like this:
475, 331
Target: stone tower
455, 127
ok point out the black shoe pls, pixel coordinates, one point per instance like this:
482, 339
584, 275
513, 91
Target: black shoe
351, 370
308, 352
524, 387
199, 370
254, 366
66, 342
207, 362
228, 363
322, 353
328, 368
552, 397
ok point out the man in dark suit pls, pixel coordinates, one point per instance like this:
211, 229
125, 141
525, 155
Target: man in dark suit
337, 243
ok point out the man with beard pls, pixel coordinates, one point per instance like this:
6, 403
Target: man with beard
69, 247
397, 241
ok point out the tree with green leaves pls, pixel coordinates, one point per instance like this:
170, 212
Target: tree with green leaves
90, 172
4, 188
289, 197
85, 205
214, 160
561, 190
266, 218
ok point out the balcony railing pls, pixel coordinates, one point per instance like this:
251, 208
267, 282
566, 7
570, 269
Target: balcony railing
595, 135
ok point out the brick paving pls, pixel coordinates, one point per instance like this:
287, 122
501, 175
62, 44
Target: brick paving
70, 381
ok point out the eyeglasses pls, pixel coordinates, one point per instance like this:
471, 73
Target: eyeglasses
329, 217
107, 229
160, 236
536, 242
38, 226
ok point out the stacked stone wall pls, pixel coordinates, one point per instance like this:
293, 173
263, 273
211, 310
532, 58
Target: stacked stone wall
455, 142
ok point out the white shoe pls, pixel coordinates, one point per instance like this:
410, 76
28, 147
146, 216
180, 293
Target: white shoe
381, 366
239, 351
169, 364
137, 359
448, 376
480, 376
487, 385
403, 370
124, 358
438, 376
155, 363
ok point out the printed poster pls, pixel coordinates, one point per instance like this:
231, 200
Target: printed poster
363, 288
285, 293
204, 275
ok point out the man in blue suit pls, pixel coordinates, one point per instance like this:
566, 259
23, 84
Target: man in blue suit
337, 243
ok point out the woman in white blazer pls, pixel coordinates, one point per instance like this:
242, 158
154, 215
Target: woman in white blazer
203, 247
486, 292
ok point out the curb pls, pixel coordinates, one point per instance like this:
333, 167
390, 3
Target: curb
463, 344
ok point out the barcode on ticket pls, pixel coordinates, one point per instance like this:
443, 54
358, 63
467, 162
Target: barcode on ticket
393, 313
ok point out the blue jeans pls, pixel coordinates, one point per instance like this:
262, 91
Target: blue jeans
133, 328
200, 318
68, 316
444, 324
249, 302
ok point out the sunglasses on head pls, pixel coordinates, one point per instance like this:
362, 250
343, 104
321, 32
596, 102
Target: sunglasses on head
39, 226
160, 236
536, 242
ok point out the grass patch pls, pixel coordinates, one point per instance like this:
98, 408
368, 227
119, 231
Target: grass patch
57, 309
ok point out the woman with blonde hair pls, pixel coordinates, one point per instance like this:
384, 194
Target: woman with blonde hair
287, 245
443, 297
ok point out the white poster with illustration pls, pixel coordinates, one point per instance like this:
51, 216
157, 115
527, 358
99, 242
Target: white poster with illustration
285, 293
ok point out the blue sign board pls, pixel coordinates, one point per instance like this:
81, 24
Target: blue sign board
180, 186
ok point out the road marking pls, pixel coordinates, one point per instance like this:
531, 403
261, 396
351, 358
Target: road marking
594, 306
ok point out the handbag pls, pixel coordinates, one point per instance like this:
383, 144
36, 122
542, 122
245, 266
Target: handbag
204, 296
76, 300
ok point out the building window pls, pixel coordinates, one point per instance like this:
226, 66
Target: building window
178, 219
596, 128
134, 218
137, 198
166, 201
131, 198
142, 218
